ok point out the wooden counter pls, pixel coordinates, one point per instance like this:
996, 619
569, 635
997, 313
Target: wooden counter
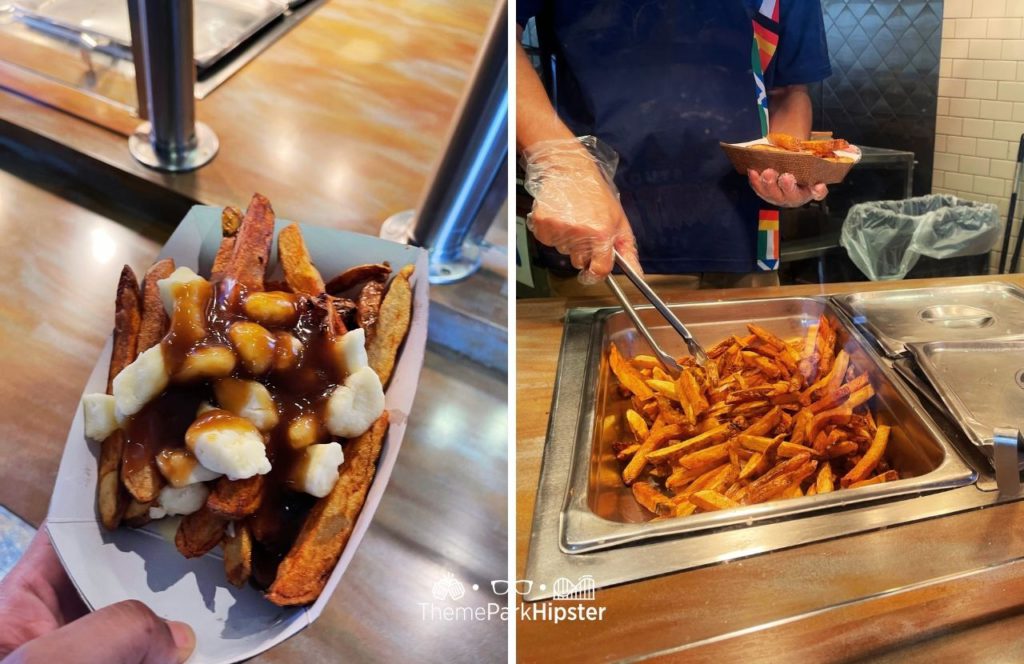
939, 590
339, 122
445, 508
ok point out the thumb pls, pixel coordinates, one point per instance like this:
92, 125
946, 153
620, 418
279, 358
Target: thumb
123, 633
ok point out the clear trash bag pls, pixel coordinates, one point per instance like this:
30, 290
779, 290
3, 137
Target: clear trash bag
885, 238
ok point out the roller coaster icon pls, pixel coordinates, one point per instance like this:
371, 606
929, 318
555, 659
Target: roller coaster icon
565, 589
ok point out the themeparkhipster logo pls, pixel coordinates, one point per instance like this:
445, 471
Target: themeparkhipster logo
571, 600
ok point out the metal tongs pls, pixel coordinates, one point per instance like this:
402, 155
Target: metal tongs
670, 362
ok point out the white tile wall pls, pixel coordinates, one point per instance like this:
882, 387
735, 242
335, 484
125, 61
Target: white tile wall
980, 115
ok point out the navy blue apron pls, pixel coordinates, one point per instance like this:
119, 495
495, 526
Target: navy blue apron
662, 83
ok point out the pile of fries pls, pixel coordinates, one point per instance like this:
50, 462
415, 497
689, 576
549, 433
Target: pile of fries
222, 344
765, 419
823, 148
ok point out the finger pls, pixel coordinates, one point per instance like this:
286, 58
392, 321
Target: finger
123, 633
788, 186
793, 195
40, 573
601, 263
578, 259
754, 178
819, 191
529, 222
626, 246
769, 178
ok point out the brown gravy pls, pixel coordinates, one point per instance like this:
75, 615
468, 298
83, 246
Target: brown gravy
203, 314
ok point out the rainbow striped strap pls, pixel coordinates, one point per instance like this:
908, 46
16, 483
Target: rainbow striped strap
766, 40
768, 240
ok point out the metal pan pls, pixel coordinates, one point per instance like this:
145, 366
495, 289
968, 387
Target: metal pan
220, 25
980, 382
896, 318
599, 511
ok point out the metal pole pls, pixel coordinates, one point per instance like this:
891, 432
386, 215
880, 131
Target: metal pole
162, 45
469, 184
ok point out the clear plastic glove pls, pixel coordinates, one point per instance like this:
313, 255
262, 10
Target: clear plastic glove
782, 190
42, 620
576, 206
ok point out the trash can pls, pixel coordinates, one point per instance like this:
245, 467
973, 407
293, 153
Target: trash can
885, 239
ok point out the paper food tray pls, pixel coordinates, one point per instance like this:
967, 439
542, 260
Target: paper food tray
231, 624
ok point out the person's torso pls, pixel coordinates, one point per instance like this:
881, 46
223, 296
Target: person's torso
663, 82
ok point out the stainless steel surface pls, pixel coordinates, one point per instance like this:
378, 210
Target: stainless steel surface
980, 382
667, 360
546, 561
140, 144
907, 370
220, 25
165, 74
223, 69
897, 317
1006, 442
695, 348
468, 187
599, 511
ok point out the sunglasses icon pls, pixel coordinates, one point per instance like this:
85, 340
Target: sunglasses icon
521, 586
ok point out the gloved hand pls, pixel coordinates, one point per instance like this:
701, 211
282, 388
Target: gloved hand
782, 190
576, 206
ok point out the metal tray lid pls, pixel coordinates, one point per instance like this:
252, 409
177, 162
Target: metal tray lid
220, 25
971, 312
981, 382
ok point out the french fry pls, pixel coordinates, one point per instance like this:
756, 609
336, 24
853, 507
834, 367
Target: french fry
711, 501
637, 425
754, 465
701, 440
792, 491
238, 555
368, 307
392, 325
299, 271
887, 476
199, 532
837, 397
303, 572
144, 481
136, 514
356, 275
651, 499
628, 375
154, 323
761, 492
765, 423
838, 415
236, 499
787, 450
690, 398
842, 449
825, 481
666, 388
870, 459
658, 436
250, 252
706, 457
111, 497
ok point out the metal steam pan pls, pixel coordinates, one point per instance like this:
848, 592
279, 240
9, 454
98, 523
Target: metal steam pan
220, 25
980, 382
599, 511
918, 315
